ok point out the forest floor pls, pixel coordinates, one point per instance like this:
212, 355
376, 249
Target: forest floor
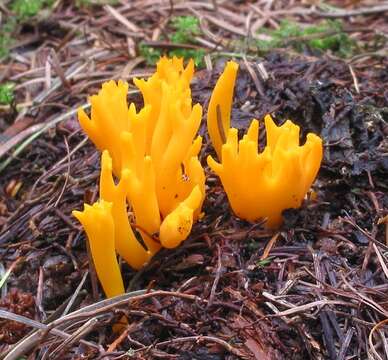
317, 288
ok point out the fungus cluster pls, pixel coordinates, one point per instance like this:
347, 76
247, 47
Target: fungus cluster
259, 184
153, 153
152, 184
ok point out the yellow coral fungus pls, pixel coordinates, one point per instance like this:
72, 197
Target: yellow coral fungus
154, 155
169, 72
220, 105
177, 225
262, 185
125, 241
98, 223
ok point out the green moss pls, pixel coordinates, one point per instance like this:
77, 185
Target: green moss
5, 43
289, 33
265, 262
25, 9
195, 54
6, 93
150, 54
6, 36
185, 30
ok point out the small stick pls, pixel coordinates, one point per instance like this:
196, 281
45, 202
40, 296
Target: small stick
216, 279
355, 81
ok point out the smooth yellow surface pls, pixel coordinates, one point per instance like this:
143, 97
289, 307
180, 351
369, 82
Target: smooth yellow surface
170, 72
141, 191
222, 98
262, 185
171, 132
126, 243
98, 223
177, 225
109, 117
154, 154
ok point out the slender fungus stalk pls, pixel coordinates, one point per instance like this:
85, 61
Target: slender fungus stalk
98, 223
220, 105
